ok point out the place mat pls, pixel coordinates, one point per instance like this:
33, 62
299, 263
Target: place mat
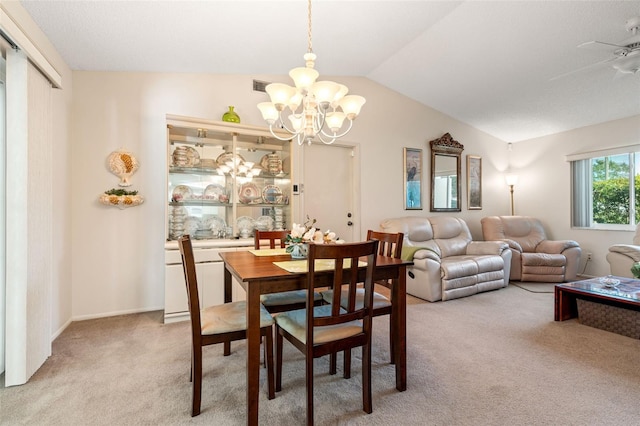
321, 265
269, 252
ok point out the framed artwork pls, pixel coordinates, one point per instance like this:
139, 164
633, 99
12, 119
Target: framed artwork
412, 160
474, 182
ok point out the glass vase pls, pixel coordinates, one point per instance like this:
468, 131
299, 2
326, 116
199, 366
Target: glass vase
231, 116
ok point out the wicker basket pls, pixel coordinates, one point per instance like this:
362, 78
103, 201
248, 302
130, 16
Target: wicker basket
610, 318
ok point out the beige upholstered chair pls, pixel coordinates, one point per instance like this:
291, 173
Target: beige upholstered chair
621, 257
534, 257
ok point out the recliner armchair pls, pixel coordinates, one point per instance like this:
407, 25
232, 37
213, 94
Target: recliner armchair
534, 257
621, 257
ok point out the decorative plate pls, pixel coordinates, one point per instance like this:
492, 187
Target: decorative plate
182, 192
213, 192
227, 156
272, 194
245, 223
249, 193
193, 156
213, 223
265, 223
191, 225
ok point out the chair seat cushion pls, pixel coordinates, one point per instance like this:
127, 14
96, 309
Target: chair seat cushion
379, 301
287, 298
295, 323
229, 317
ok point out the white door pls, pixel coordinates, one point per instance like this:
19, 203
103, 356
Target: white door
329, 189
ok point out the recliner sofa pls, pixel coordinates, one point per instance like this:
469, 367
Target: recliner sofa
447, 263
535, 258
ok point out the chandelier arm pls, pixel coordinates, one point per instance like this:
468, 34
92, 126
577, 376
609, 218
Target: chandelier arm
276, 136
283, 125
325, 141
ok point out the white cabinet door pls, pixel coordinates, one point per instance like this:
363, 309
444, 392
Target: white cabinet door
175, 290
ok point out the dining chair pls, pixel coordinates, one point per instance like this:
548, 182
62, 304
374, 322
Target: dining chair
322, 330
391, 246
217, 324
286, 300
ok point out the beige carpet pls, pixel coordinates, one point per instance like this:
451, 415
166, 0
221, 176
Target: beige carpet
495, 358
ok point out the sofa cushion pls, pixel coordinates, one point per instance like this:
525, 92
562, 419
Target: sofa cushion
543, 259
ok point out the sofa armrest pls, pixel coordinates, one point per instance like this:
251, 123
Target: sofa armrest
417, 253
487, 247
631, 251
513, 245
555, 247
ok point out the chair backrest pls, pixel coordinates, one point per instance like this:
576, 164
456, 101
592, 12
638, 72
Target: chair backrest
390, 243
527, 231
271, 236
344, 279
189, 267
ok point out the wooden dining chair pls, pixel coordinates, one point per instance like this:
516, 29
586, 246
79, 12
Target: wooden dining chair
286, 300
217, 324
391, 246
322, 330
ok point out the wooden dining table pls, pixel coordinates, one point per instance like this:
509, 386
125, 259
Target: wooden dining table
259, 275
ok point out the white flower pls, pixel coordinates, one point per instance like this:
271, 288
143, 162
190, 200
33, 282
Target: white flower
309, 234
297, 231
318, 237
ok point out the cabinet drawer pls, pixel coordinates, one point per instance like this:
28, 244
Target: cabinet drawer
172, 257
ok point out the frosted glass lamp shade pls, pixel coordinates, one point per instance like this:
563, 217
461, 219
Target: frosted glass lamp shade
325, 92
334, 120
303, 77
269, 112
511, 179
296, 122
351, 105
280, 94
341, 94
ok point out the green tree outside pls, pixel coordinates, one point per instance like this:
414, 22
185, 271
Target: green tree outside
611, 191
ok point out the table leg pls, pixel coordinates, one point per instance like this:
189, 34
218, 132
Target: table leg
227, 299
253, 352
399, 298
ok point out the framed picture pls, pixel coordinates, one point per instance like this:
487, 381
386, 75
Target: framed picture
412, 159
474, 182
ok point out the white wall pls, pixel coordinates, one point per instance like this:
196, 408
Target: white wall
543, 188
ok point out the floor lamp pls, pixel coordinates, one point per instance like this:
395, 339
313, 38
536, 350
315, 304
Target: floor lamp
511, 180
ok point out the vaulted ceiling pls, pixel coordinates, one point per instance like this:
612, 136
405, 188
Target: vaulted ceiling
491, 64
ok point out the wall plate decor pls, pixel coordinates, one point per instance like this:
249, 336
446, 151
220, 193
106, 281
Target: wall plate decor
122, 164
474, 182
412, 162
121, 198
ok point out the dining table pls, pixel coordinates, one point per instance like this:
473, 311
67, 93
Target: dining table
261, 272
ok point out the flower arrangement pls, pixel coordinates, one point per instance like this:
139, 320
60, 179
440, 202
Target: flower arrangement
635, 270
308, 233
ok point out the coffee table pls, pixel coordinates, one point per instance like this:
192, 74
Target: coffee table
624, 295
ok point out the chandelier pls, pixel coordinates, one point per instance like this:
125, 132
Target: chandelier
318, 108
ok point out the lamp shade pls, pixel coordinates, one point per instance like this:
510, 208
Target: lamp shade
303, 77
324, 92
280, 94
334, 120
269, 112
351, 105
511, 179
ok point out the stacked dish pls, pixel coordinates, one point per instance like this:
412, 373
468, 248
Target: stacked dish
176, 222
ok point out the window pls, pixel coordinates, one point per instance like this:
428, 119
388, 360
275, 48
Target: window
606, 190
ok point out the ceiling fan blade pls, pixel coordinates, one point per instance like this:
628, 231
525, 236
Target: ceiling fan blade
586, 68
599, 45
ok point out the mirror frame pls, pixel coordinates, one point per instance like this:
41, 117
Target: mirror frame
449, 147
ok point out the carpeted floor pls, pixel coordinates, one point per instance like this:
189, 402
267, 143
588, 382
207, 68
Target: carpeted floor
495, 358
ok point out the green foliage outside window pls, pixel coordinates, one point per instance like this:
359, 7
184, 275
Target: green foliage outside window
611, 191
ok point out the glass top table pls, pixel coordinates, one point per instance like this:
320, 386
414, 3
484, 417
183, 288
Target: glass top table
619, 291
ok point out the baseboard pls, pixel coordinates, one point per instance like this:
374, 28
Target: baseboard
115, 313
61, 329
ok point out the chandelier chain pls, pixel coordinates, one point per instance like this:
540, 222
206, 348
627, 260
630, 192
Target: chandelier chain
310, 44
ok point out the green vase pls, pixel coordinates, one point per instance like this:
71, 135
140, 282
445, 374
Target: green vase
231, 116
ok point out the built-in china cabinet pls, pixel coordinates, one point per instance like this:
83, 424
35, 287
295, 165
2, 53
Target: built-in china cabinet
224, 181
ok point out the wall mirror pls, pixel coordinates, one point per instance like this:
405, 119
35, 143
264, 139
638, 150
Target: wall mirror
445, 174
